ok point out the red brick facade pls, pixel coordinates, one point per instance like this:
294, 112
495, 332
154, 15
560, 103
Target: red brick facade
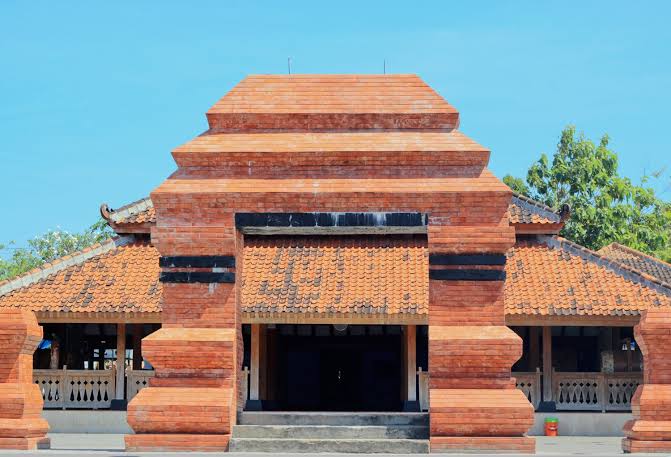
650, 431
21, 423
305, 144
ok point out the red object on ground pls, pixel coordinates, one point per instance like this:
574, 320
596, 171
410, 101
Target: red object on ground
551, 428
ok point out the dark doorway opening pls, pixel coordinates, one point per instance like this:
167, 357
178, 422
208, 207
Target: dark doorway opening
327, 368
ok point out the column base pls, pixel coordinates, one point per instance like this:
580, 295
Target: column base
631, 446
485, 445
411, 406
176, 442
25, 444
254, 405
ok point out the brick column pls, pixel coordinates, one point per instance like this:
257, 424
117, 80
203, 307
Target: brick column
21, 424
474, 405
650, 430
192, 401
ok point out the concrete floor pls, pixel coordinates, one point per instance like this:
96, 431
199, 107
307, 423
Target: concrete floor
110, 445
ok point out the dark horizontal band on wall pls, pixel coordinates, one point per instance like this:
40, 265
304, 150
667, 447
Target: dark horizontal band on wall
196, 277
197, 261
330, 220
467, 259
467, 275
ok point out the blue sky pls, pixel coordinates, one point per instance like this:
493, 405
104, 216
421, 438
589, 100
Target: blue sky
95, 95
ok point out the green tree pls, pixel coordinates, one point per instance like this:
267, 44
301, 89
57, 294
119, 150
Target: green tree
605, 207
49, 246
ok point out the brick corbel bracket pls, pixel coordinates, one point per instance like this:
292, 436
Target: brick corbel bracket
650, 430
21, 424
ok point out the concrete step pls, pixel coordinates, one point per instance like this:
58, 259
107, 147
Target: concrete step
332, 418
331, 432
346, 446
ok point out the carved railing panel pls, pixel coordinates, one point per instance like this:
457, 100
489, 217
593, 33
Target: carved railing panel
136, 380
76, 389
594, 391
530, 384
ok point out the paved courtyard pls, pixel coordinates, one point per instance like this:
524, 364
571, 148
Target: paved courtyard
109, 445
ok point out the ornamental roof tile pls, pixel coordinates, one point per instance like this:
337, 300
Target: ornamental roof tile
524, 210
638, 261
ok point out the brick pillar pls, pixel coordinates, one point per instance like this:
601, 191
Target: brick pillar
474, 405
650, 430
191, 402
21, 424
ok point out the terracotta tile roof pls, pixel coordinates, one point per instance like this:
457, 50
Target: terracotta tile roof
120, 275
370, 275
330, 274
556, 277
639, 261
524, 210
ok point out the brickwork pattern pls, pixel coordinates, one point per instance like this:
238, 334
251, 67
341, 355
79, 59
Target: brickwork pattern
332, 167
650, 430
474, 404
21, 423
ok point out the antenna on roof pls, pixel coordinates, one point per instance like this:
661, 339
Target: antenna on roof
289, 64
384, 66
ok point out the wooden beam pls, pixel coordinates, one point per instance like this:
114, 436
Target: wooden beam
517, 320
255, 356
547, 363
137, 346
534, 348
52, 317
411, 362
120, 361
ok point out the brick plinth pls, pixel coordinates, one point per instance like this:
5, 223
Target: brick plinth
650, 430
483, 445
21, 424
176, 442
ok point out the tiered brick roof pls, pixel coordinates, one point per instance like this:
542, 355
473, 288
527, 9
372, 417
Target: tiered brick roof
330, 275
311, 102
639, 261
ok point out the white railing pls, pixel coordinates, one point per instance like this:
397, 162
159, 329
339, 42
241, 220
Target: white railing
423, 387
137, 380
594, 391
530, 384
65, 388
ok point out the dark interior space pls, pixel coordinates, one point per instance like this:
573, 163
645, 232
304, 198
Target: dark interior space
338, 368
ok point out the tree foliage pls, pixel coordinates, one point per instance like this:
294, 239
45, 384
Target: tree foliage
48, 247
605, 207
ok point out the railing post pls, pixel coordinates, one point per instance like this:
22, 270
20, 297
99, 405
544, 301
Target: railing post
547, 364
65, 386
603, 391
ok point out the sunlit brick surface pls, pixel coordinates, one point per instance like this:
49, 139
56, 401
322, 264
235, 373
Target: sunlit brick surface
650, 430
21, 423
332, 143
